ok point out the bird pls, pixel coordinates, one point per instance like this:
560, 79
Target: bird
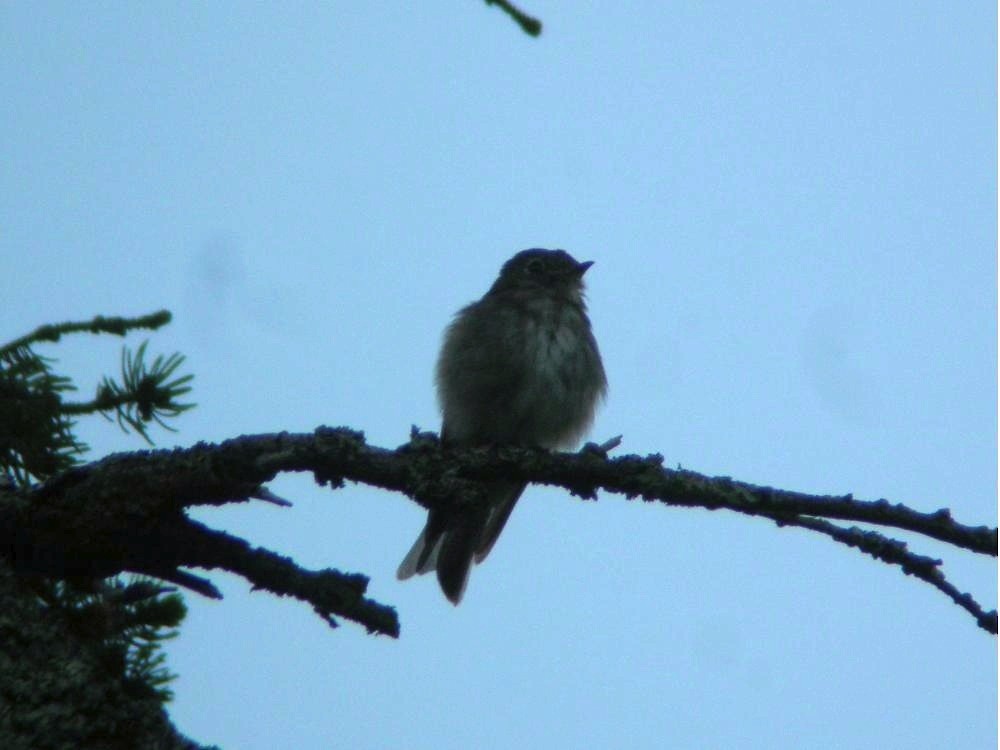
518, 367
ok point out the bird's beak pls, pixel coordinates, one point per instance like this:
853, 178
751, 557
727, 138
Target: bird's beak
581, 268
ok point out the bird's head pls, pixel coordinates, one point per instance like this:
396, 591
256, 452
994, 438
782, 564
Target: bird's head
536, 271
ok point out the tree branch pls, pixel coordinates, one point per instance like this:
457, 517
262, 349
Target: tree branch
126, 512
529, 25
894, 552
100, 324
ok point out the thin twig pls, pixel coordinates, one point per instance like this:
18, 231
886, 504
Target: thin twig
529, 25
894, 552
116, 325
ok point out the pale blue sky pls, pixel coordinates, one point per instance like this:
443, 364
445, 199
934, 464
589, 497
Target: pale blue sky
792, 209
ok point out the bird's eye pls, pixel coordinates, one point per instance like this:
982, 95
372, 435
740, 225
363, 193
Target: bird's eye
535, 266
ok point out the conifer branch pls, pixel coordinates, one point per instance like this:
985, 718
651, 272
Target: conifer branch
100, 324
529, 25
140, 523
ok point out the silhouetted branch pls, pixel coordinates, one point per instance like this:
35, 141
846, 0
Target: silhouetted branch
131, 508
37, 436
529, 25
894, 552
117, 325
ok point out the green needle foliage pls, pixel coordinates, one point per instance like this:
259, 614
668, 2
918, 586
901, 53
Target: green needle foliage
145, 394
126, 621
36, 434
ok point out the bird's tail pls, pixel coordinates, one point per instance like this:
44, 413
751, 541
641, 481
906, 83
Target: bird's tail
452, 541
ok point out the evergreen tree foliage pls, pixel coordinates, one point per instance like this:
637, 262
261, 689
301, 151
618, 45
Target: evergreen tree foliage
126, 620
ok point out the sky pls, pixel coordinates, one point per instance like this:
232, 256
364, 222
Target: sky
791, 207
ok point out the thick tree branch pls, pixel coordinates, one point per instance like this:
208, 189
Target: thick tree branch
126, 512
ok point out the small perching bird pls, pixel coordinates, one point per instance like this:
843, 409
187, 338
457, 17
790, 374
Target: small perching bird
518, 367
